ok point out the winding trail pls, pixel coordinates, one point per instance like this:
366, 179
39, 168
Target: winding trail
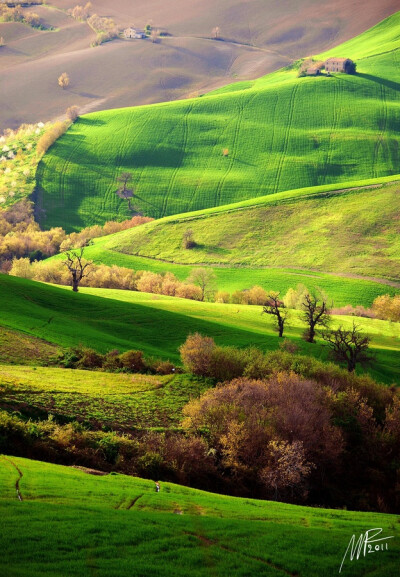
20, 475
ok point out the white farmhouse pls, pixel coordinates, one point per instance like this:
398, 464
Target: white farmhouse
134, 33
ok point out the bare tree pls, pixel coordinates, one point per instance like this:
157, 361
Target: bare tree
63, 80
205, 279
274, 306
123, 191
77, 266
349, 346
315, 314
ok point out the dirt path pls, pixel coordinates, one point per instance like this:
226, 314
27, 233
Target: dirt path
20, 475
205, 541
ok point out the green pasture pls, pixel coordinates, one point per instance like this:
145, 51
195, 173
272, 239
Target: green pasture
352, 232
110, 399
282, 133
76, 524
112, 319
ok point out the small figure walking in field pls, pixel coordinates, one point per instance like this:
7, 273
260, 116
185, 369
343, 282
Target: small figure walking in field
157, 487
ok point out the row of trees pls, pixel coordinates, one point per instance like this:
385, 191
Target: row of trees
21, 236
347, 345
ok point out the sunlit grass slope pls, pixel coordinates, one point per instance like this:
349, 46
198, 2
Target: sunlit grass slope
113, 319
108, 399
281, 133
177, 532
348, 231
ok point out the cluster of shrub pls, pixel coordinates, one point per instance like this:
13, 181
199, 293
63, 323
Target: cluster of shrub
105, 28
132, 361
16, 14
387, 308
290, 428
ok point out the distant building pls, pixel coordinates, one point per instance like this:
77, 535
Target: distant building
340, 65
134, 33
315, 69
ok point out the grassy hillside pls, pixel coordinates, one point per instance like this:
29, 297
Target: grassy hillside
282, 132
353, 231
107, 399
21, 348
176, 532
112, 319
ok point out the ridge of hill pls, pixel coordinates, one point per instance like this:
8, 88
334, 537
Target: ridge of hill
280, 132
205, 531
258, 37
351, 231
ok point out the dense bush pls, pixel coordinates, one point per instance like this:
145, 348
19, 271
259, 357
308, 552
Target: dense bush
387, 308
131, 361
296, 439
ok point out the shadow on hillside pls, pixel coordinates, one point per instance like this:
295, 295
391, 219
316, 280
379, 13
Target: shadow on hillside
384, 81
91, 121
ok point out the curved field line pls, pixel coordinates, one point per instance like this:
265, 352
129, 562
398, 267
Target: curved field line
336, 115
236, 136
20, 475
118, 158
380, 136
286, 138
180, 162
264, 178
198, 188
63, 171
232, 155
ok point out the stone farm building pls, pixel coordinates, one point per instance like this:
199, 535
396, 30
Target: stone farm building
339, 65
134, 33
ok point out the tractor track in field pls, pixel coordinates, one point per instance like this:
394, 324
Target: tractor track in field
335, 122
221, 182
118, 159
380, 137
282, 157
216, 145
20, 475
172, 181
236, 136
264, 184
134, 501
207, 542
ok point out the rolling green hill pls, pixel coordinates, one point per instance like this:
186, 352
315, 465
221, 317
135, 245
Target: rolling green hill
113, 319
176, 532
281, 133
354, 231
